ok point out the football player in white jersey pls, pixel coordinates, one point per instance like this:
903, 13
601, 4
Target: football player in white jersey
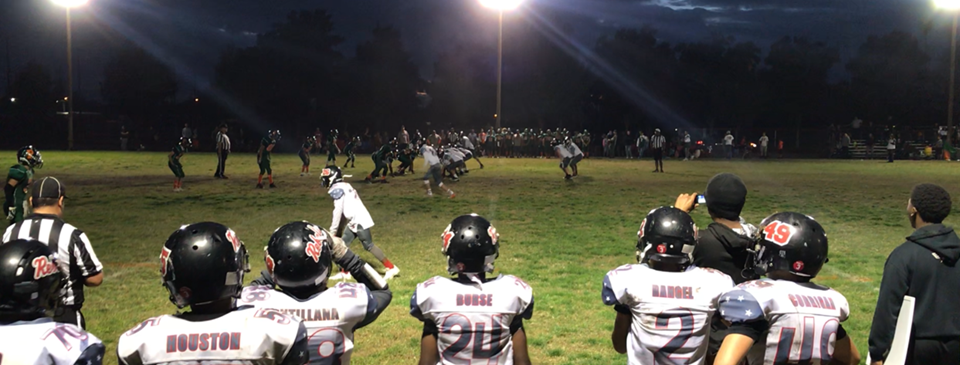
468, 145
348, 209
565, 157
299, 256
785, 318
202, 266
470, 318
434, 170
29, 293
576, 154
664, 303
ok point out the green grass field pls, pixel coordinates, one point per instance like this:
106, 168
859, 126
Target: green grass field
560, 236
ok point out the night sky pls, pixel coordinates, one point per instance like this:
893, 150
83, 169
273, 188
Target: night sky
189, 34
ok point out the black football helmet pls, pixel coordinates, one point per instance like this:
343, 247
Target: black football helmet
667, 235
791, 242
330, 175
471, 244
29, 280
29, 156
202, 263
298, 258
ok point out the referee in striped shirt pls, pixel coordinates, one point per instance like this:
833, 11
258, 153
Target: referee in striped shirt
78, 262
657, 143
223, 150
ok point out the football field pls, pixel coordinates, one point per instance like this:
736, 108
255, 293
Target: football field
560, 236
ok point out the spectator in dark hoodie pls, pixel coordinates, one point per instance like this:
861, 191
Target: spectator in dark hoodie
924, 267
727, 243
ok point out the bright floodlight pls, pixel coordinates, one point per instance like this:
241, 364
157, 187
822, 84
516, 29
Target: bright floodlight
69, 3
947, 4
513, 4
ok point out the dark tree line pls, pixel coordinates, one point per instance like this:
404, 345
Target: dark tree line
296, 78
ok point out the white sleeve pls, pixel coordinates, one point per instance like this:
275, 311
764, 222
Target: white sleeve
6, 235
337, 214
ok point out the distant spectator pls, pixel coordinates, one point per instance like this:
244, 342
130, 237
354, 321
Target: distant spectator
642, 143
196, 139
628, 145
223, 150
186, 133
891, 148
924, 267
728, 145
943, 132
124, 138
318, 139
845, 146
686, 145
403, 138
870, 143
857, 122
764, 141
938, 149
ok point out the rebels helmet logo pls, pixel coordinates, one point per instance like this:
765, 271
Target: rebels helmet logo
446, 236
44, 266
325, 173
494, 236
164, 256
232, 236
315, 245
642, 224
798, 266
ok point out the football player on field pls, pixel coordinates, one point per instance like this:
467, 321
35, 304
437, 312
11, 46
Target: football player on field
29, 295
575, 152
434, 169
305, 155
263, 157
565, 157
19, 178
299, 256
349, 209
349, 150
664, 303
202, 266
332, 148
173, 162
380, 163
785, 318
470, 318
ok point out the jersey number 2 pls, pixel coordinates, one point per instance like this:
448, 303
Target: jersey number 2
470, 332
662, 356
807, 343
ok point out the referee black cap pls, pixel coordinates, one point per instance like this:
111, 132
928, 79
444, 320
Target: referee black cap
48, 188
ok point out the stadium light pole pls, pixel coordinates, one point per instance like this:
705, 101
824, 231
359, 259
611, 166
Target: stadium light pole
500, 6
69, 4
953, 6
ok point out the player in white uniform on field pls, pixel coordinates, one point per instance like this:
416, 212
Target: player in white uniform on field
453, 162
299, 256
575, 153
202, 266
472, 319
434, 169
785, 318
563, 153
468, 144
664, 304
29, 294
349, 209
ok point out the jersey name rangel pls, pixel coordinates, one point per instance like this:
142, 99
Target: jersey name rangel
473, 319
671, 311
803, 319
246, 336
43, 341
330, 317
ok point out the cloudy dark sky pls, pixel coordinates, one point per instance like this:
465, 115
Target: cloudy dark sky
189, 34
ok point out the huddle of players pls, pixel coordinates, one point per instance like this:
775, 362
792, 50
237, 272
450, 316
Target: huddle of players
527, 142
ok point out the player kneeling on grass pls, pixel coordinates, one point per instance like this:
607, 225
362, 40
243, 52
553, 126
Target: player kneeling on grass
29, 294
305, 155
670, 323
434, 170
299, 256
174, 162
348, 208
471, 318
202, 266
785, 318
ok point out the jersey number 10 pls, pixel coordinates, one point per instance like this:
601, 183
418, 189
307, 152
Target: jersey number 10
807, 342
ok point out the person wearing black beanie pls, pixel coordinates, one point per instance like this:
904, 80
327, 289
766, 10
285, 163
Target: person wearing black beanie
924, 267
725, 244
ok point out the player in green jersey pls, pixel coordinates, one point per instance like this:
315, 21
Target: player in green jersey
349, 150
173, 162
380, 163
263, 157
332, 148
305, 155
18, 179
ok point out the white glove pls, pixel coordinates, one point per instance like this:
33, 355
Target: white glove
337, 247
10, 213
